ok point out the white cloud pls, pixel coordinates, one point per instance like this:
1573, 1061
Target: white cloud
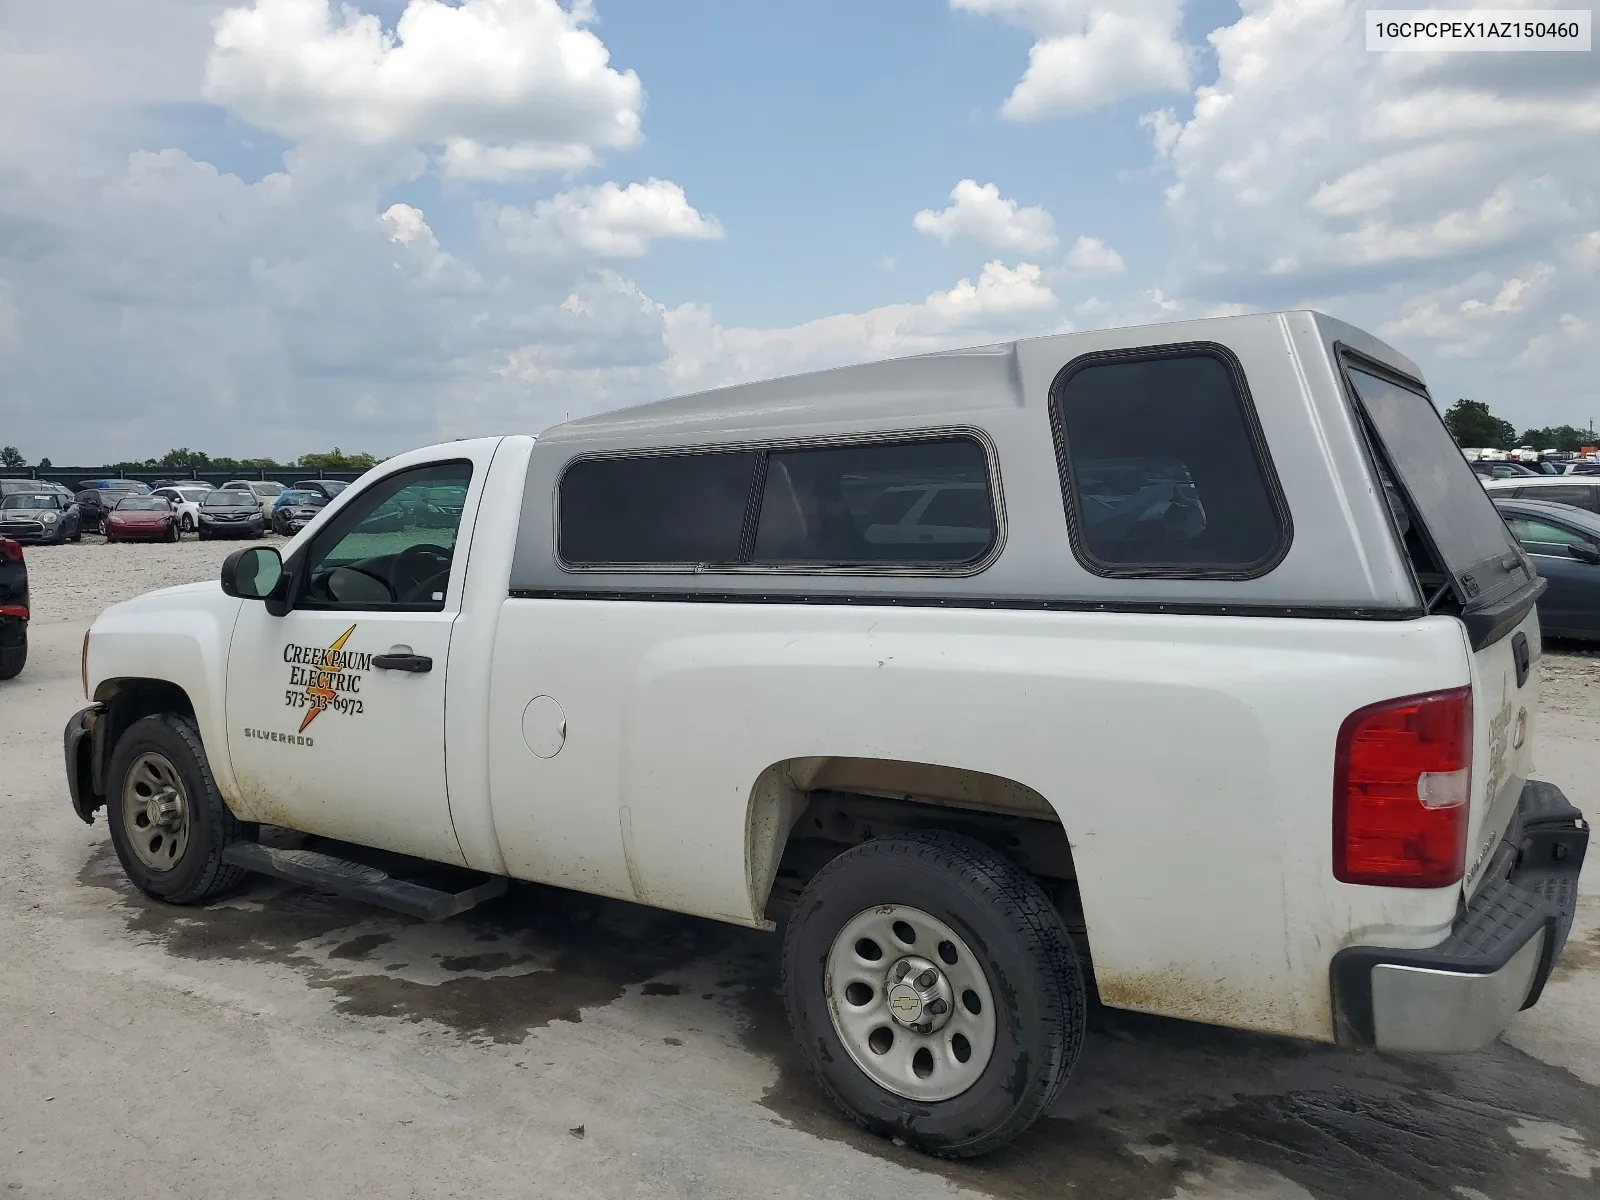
1091, 256
10, 319
1005, 302
405, 225
1443, 200
978, 212
606, 221
1001, 293
1164, 128
505, 86
1090, 53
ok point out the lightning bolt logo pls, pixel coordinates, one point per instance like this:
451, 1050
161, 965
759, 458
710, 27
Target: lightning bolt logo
321, 696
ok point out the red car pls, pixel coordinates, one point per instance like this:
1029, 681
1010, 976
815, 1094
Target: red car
13, 609
142, 519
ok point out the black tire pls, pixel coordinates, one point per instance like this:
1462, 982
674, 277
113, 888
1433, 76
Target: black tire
186, 523
204, 535
1023, 948
172, 532
14, 658
77, 534
199, 874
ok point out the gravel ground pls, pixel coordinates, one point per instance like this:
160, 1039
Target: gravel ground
75, 581
290, 1044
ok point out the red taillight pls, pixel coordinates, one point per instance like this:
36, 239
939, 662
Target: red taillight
1402, 775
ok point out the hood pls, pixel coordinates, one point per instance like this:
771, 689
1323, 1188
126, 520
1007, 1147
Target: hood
156, 598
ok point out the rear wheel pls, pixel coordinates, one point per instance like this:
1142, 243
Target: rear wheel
169, 823
934, 991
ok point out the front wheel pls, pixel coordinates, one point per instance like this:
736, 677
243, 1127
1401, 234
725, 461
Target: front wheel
14, 658
169, 823
934, 991
186, 523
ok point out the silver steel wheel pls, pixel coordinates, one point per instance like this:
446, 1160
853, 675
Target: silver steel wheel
155, 811
910, 1002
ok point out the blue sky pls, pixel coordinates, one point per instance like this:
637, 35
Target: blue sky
211, 236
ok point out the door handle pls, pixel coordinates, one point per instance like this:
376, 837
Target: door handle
400, 658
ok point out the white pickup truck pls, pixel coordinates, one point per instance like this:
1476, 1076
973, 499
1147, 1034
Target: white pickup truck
1188, 666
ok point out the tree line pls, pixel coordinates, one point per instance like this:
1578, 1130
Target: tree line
1472, 424
185, 459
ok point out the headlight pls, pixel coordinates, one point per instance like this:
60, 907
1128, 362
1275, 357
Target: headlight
49, 518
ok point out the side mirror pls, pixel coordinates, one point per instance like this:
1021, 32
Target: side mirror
1584, 551
252, 573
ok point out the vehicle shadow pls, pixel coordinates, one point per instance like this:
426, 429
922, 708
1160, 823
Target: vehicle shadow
1155, 1107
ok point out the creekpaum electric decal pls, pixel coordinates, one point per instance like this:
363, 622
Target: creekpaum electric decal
324, 677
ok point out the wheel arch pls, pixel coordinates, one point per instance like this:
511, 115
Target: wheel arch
803, 812
125, 699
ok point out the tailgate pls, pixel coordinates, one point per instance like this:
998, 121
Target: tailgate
1503, 712
1465, 562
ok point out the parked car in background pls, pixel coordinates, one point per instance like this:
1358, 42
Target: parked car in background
1580, 491
185, 499
1583, 467
116, 485
142, 519
230, 512
14, 611
329, 488
266, 492
7, 486
40, 517
1564, 544
295, 509
93, 505
1499, 469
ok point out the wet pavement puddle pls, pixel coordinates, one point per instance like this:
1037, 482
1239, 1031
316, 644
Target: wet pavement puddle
1156, 1108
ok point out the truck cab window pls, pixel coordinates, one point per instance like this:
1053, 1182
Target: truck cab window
393, 546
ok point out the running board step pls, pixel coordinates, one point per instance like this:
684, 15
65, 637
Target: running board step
360, 882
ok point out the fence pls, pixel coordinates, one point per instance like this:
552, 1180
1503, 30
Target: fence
73, 477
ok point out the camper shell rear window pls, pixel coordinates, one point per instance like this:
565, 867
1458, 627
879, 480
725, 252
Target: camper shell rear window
1434, 494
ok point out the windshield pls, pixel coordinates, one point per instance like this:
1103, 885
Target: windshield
142, 504
267, 490
23, 500
193, 494
1445, 495
304, 499
229, 499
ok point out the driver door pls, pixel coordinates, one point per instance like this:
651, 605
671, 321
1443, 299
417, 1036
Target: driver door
336, 709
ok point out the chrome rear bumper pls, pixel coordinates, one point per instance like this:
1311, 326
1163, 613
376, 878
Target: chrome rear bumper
1460, 994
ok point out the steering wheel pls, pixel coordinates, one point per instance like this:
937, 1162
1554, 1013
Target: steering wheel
416, 570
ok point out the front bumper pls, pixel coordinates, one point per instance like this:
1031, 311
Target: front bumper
84, 742
233, 528
1460, 994
33, 533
